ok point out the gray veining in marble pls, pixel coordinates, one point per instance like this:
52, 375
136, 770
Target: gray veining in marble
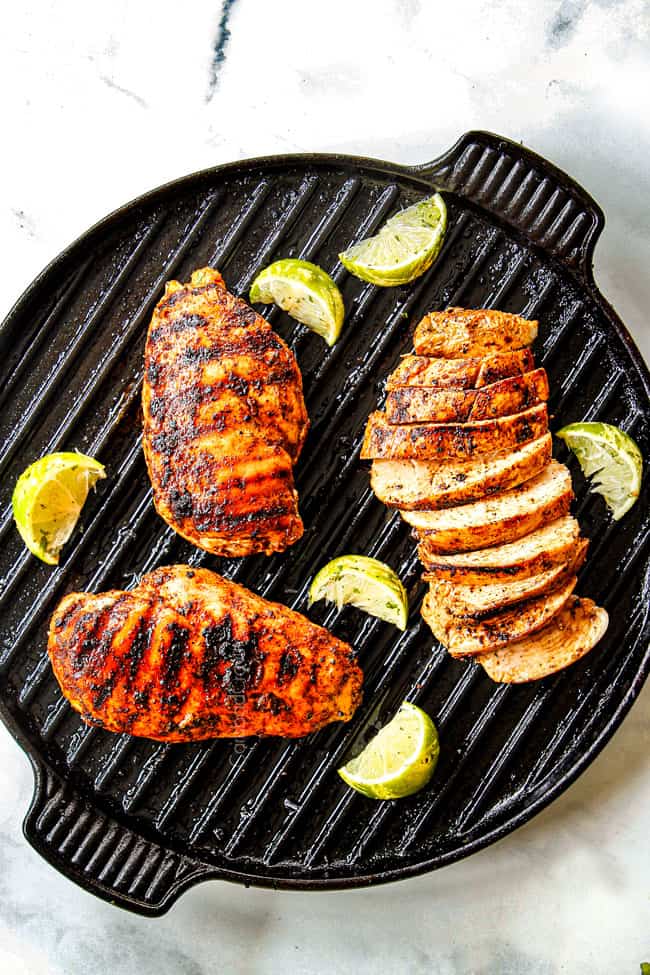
104, 101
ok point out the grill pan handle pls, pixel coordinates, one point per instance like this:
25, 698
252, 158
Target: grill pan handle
102, 856
530, 194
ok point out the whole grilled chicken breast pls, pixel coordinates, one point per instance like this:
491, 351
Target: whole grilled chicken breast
224, 420
188, 655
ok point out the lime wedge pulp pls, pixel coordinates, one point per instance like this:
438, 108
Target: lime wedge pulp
404, 248
399, 760
611, 459
48, 499
305, 292
363, 582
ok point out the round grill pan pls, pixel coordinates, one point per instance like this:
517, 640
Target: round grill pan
138, 822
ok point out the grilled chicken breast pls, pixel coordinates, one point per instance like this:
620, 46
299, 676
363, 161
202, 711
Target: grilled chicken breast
224, 420
554, 544
571, 634
430, 441
499, 519
468, 637
477, 601
422, 370
417, 404
188, 655
463, 451
412, 484
472, 332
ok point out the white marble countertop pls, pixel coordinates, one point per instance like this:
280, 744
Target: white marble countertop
104, 101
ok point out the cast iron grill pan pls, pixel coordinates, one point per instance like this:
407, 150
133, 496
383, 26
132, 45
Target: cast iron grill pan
137, 822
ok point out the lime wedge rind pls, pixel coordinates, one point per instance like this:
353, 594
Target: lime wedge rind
612, 461
304, 291
365, 583
403, 249
399, 760
48, 498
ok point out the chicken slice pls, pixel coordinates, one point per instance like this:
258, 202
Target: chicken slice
503, 365
499, 519
478, 601
571, 634
468, 637
188, 655
417, 370
510, 395
412, 484
413, 404
417, 404
425, 371
465, 332
431, 441
554, 544
224, 420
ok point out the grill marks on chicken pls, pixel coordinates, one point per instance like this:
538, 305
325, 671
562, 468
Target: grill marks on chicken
463, 450
224, 420
188, 655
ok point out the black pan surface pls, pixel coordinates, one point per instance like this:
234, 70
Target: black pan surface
138, 822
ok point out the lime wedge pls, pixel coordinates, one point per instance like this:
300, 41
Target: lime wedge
363, 582
611, 458
48, 499
305, 292
399, 760
405, 247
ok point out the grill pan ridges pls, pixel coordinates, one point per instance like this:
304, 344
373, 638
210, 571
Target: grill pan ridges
138, 822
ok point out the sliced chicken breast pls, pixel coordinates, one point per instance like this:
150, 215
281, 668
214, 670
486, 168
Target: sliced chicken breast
412, 484
499, 519
571, 634
552, 545
420, 370
463, 637
478, 601
417, 404
464, 332
431, 441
